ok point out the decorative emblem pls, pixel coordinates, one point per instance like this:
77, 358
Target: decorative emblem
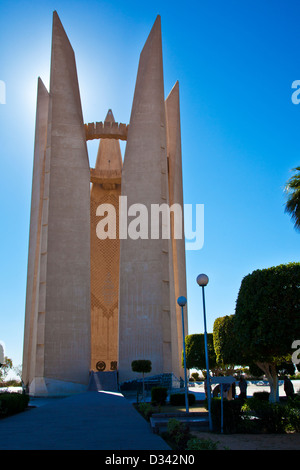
113, 365
100, 366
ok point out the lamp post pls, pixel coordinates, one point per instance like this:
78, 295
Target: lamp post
182, 302
202, 281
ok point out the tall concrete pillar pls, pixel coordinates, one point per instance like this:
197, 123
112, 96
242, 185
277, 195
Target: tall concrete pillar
34, 249
145, 314
63, 321
105, 255
176, 197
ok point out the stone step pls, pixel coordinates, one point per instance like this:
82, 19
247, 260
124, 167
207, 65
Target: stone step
103, 381
198, 420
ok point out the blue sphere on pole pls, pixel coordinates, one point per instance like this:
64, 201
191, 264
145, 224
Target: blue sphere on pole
181, 301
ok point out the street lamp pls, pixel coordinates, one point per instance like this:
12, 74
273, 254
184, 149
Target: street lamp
202, 281
182, 302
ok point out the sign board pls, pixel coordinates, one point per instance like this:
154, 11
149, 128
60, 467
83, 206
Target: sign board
222, 380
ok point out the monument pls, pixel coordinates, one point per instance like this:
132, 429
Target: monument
98, 301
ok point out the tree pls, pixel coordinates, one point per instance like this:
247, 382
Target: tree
18, 371
225, 343
195, 376
5, 368
195, 352
143, 366
267, 318
229, 353
292, 190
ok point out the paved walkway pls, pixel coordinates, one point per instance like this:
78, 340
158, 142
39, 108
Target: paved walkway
87, 421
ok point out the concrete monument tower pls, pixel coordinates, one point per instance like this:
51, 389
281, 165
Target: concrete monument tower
147, 297
105, 257
97, 303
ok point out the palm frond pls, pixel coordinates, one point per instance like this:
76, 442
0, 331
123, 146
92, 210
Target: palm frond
292, 190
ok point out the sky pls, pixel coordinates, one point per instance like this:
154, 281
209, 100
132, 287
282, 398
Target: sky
235, 62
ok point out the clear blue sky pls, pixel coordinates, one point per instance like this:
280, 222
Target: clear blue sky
235, 62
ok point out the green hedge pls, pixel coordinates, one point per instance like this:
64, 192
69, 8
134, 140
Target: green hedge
178, 399
264, 396
11, 403
159, 395
256, 415
271, 417
293, 415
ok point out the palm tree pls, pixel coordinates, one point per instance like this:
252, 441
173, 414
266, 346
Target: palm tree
292, 190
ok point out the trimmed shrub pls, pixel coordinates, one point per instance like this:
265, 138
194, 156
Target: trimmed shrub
178, 399
141, 365
264, 396
11, 403
159, 395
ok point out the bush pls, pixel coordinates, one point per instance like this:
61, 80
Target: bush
146, 410
201, 444
11, 383
264, 396
159, 395
178, 433
196, 376
268, 417
293, 420
141, 365
293, 415
231, 414
11, 403
178, 399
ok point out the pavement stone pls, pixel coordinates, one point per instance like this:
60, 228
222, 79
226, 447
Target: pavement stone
90, 421
87, 421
